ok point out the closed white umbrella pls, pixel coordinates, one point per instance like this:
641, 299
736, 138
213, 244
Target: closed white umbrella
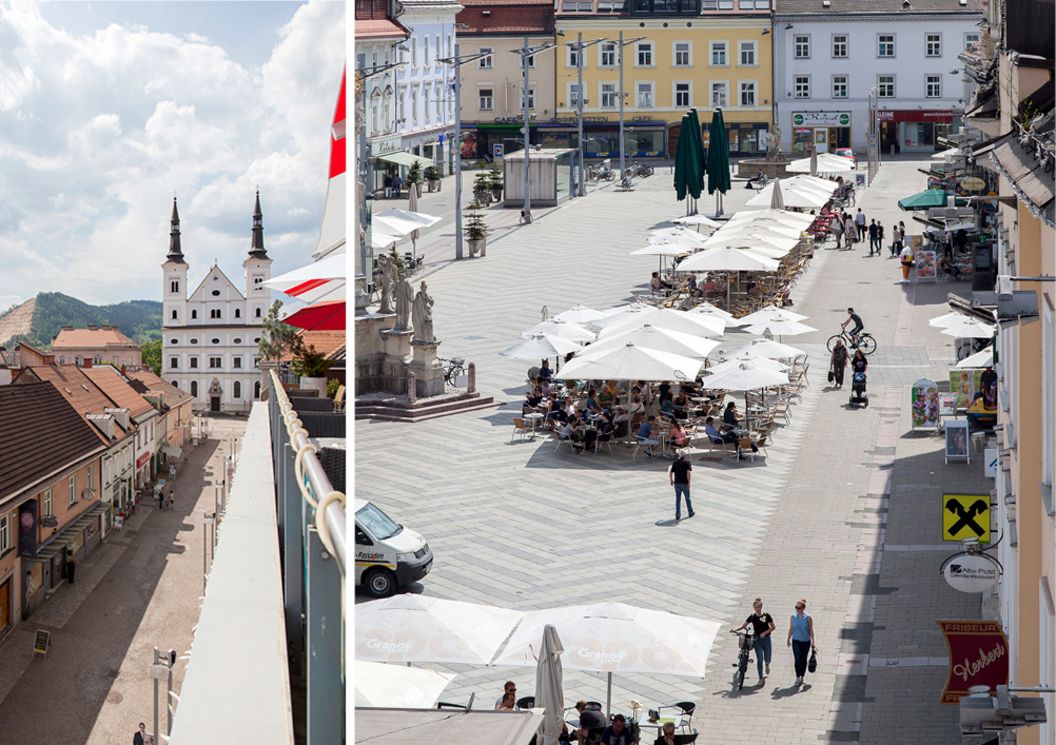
728, 259
398, 686
696, 220
765, 314
540, 346
982, 358
415, 628
665, 318
631, 362
769, 349
777, 202
779, 325
562, 330
746, 376
579, 314
617, 638
969, 328
652, 337
550, 686
814, 161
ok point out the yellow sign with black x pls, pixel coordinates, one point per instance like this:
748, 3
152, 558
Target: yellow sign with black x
966, 516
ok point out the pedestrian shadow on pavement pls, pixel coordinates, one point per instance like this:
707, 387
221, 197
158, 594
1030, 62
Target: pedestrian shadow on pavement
792, 690
668, 523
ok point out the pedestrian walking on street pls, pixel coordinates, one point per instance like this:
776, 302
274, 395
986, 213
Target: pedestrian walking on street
859, 221
879, 238
801, 638
71, 566
763, 627
397, 183
838, 362
896, 241
171, 500
140, 738
172, 472
874, 240
849, 229
161, 499
679, 474
837, 230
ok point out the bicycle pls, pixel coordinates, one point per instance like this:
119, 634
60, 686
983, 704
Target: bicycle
864, 341
454, 369
600, 173
746, 643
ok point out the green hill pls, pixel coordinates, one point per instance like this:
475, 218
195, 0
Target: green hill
39, 319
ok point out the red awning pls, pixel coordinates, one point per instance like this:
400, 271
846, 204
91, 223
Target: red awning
141, 460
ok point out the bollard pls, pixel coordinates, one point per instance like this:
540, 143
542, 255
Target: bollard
412, 388
471, 378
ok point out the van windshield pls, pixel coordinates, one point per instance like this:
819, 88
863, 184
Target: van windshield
376, 522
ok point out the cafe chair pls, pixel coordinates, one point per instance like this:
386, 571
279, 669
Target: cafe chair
520, 427
605, 440
561, 439
527, 702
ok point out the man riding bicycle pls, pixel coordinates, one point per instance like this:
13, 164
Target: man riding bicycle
858, 325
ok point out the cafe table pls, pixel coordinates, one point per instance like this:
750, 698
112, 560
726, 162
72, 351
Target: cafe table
535, 417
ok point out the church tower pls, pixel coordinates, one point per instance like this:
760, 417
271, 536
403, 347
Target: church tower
175, 277
258, 270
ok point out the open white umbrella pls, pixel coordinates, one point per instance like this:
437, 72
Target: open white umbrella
416, 628
653, 337
982, 358
779, 228
947, 319
760, 240
398, 686
540, 346
696, 220
665, 318
745, 376
673, 248
382, 240
321, 280
780, 325
784, 217
826, 163
713, 311
550, 686
765, 314
662, 234
579, 314
728, 259
769, 349
969, 328
562, 330
631, 362
734, 363
616, 638
403, 222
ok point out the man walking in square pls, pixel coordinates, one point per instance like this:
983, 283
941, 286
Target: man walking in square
859, 221
679, 475
874, 238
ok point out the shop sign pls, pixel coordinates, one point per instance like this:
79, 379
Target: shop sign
966, 516
821, 119
915, 115
381, 147
978, 653
971, 572
972, 183
498, 149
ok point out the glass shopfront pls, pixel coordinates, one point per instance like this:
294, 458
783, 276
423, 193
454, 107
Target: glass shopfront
825, 130
638, 141
913, 131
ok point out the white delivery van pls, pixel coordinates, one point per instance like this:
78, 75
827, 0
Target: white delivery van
388, 555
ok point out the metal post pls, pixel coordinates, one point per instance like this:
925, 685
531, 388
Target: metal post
579, 108
619, 49
326, 697
157, 733
168, 695
363, 273
290, 502
526, 212
458, 157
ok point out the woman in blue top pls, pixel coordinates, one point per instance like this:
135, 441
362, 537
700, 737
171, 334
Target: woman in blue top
801, 638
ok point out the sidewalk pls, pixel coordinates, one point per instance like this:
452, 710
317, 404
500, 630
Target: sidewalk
139, 589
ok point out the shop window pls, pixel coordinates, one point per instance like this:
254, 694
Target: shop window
839, 86
839, 46
608, 95
607, 52
486, 62
933, 86
801, 46
885, 85
748, 94
747, 53
487, 98
933, 45
885, 45
802, 86
645, 54
683, 53
718, 94
644, 97
718, 53
683, 96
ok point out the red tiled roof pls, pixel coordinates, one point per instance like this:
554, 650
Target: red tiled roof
521, 17
327, 342
172, 395
379, 29
98, 338
118, 390
43, 434
76, 388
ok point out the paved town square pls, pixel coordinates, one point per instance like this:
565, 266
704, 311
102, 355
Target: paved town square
843, 510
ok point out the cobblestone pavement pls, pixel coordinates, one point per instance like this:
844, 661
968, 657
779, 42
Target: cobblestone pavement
843, 511
137, 590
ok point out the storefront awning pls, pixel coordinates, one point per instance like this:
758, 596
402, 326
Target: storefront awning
405, 159
171, 450
924, 200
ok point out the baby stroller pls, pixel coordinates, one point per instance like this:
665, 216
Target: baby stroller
858, 394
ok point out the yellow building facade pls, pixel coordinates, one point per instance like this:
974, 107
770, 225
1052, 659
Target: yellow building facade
671, 64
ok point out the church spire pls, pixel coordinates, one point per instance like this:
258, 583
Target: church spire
256, 247
175, 253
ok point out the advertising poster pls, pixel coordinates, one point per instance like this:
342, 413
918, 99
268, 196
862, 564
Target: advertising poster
924, 399
978, 653
925, 265
956, 439
27, 528
963, 385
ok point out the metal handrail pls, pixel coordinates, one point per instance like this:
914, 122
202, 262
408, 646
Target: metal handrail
329, 504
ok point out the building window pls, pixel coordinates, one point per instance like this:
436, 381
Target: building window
747, 94
645, 54
194, 341
236, 340
718, 53
683, 53
644, 96
215, 313
486, 62
718, 94
572, 60
414, 53
194, 388
531, 98
236, 389
1048, 400
531, 61
885, 45
174, 286
91, 478
801, 45
215, 363
608, 95
72, 496
933, 86
573, 95
683, 97
194, 314
747, 53
839, 46
174, 363
802, 86
47, 508
933, 45
174, 315
5, 535
425, 52
238, 312
487, 98
258, 313
194, 363
970, 38
607, 50
236, 362
885, 86
216, 340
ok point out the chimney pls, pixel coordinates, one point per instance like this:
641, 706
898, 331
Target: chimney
87, 363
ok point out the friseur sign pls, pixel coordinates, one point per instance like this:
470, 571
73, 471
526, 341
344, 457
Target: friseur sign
978, 656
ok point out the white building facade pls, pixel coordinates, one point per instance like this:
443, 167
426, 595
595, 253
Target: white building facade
210, 336
425, 99
377, 37
831, 54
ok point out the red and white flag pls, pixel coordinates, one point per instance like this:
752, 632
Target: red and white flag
332, 233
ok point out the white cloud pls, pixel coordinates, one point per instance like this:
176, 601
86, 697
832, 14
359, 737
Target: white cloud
98, 131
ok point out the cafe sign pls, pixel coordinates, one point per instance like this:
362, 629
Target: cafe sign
821, 119
971, 572
978, 652
972, 183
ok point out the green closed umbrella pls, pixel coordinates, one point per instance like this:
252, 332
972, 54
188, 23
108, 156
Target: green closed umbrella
698, 144
718, 169
689, 177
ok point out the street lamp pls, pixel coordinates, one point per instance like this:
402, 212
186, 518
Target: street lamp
526, 53
873, 154
622, 44
579, 45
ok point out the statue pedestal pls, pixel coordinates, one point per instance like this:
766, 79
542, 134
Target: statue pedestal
396, 351
428, 371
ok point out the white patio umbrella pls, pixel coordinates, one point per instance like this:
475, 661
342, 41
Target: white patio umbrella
579, 314
707, 309
759, 240
786, 217
728, 259
795, 192
697, 220
665, 318
745, 376
826, 163
416, 628
778, 326
540, 346
653, 337
549, 686
777, 202
951, 152
765, 314
321, 280
381, 240
398, 686
673, 248
616, 638
947, 319
403, 222
769, 349
631, 362
765, 227
982, 358
969, 328
562, 330
681, 233
735, 362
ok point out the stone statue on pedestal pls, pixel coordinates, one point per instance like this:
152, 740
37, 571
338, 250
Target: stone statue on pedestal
773, 148
422, 316
404, 299
386, 279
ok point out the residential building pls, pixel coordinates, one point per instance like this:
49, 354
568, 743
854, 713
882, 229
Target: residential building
425, 99
493, 86
100, 344
702, 54
142, 415
176, 407
49, 495
111, 423
831, 55
1013, 108
210, 337
378, 34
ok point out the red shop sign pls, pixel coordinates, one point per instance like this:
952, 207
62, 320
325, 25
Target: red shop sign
978, 656
916, 115
142, 459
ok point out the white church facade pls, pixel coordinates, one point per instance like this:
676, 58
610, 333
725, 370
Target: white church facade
210, 335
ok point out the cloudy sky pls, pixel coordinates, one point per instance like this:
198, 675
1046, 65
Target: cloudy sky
109, 109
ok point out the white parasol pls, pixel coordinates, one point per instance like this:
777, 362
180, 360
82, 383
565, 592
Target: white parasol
969, 328
746, 376
549, 686
398, 686
697, 220
631, 362
579, 314
540, 346
982, 358
769, 349
652, 337
664, 318
765, 314
562, 330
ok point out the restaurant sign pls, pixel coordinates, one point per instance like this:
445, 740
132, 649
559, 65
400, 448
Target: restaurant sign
821, 119
971, 572
978, 653
915, 115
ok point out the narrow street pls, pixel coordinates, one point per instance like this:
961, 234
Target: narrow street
137, 590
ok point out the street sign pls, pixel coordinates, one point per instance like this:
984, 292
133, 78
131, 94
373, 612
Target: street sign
966, 516
971, 572
990, 463
498, 149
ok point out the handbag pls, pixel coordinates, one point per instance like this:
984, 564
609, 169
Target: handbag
812, 663
832, 375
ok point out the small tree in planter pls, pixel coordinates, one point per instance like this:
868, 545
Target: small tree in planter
495, 178
414, 178
482, 188
476, 230
310, 365
432, 178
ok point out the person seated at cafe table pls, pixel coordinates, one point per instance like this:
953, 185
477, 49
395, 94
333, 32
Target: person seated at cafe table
667, 407
656, 284
681, 404
534, 397
617, 733
677, 435
507, 702
545, 373
691, 284
607, 397
645, 435
729, 416
590, 403
508, 688
718, 437
555, 411
667, 735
